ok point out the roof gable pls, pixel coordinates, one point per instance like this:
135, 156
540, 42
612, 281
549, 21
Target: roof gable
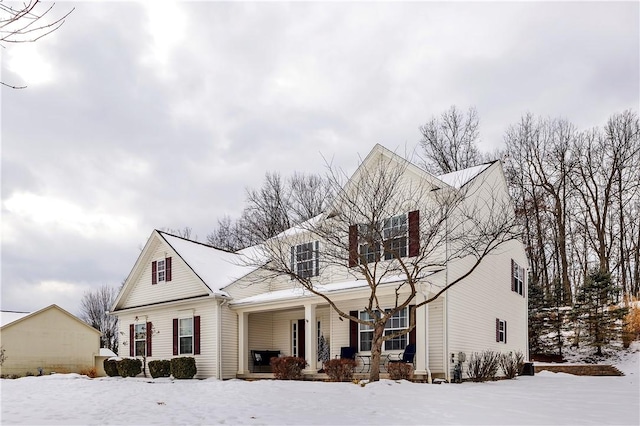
208, 270
26, 318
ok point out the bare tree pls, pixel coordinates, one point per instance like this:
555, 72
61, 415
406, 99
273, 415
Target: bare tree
27, 22
539, 154
368, 235
94, 308
449, 142
182, 233
275, 207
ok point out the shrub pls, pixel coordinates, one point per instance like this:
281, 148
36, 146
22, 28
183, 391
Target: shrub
483, 366
89, 372
129, 367
400, 370
511, 364
110, 367
160, 368
340, 369
29, 374
287, 367
183, 367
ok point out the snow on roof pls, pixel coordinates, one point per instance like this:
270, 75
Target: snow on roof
297, 292
459, 178
7, 317
217, 268
107, 352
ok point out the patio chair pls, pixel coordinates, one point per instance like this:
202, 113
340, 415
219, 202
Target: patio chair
408, 354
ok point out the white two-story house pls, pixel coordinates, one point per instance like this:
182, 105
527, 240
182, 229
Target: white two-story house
184, 298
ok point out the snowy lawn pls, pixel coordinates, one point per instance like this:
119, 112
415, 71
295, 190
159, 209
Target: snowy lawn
546, 398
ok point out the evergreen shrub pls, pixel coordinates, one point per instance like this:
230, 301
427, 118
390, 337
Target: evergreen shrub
339, 369
183, 367
110, 367
287, 367
160, 368
129, 367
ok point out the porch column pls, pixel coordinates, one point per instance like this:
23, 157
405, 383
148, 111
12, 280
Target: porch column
422, 348
243, 343
311, 338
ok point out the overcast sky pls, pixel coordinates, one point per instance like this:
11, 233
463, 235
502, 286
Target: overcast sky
141, 116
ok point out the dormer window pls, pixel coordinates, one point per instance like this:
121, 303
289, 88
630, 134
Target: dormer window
304, 259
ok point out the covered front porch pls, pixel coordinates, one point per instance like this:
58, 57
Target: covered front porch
308, 328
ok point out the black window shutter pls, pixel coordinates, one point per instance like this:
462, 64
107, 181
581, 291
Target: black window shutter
414, 233
513, 275
412, 333
196, 335
497, 329
132, 341
353, 245
353, 331
316, 257
154, 272
175, 336
149, 332
505, 331
167, 268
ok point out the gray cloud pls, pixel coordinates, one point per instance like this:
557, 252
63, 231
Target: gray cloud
141, 128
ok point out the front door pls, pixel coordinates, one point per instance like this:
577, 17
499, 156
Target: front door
297, 338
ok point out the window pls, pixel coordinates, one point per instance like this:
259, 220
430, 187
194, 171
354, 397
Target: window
517, 278
140, 339
304, 259
161, 270
399, 321
369, 253
185, 336
501, 331
395, 237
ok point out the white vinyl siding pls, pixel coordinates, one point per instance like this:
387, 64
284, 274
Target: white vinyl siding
184, 283
162, 338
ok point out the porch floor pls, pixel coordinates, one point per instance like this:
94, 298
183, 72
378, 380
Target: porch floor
322, 377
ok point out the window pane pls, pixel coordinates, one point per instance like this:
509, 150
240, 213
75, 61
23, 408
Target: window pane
186, 345
366, 337
140, 347
186, 326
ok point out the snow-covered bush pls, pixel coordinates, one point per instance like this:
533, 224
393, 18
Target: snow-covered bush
340, 369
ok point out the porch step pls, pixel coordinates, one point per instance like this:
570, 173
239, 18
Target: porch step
580, 369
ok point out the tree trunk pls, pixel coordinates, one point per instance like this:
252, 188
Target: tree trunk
376, 351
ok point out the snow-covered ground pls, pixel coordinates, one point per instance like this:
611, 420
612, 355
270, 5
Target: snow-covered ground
546, 398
